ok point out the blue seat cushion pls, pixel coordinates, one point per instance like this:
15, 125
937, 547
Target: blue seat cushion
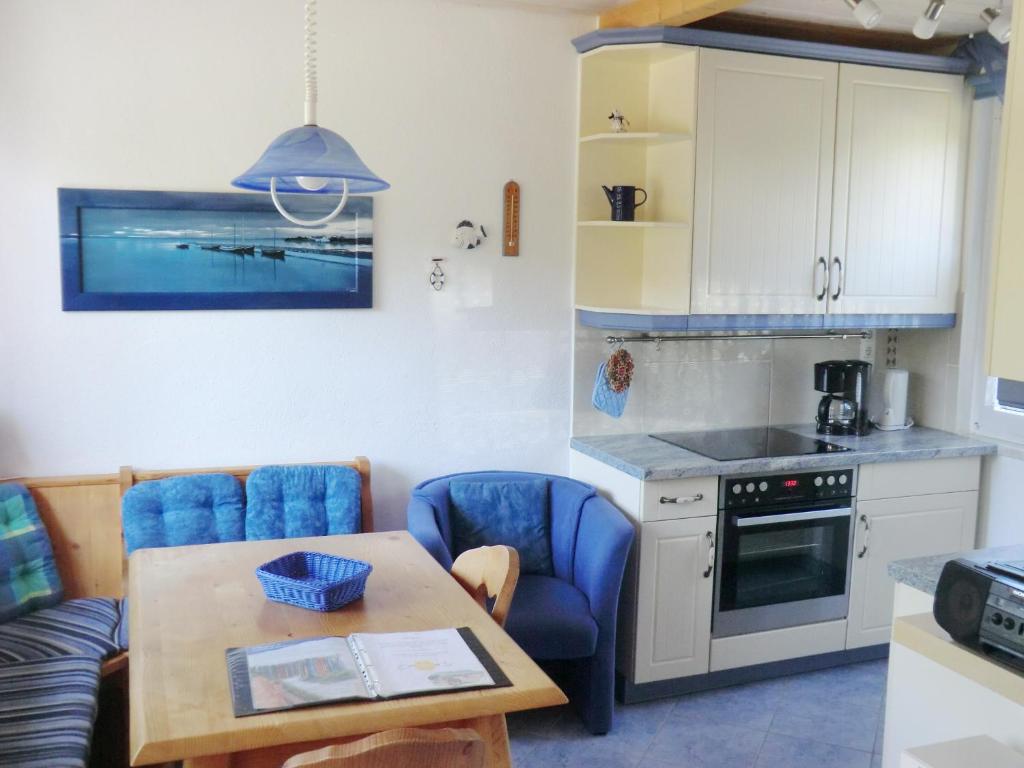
292, 502
47, 710
82, 627
513, 512
28, 571
550, 619
191, 509
121, 631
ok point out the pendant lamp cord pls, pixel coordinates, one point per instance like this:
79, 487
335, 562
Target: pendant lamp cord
310, 58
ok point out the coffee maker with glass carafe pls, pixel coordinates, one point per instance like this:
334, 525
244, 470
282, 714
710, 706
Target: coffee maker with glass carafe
844, 408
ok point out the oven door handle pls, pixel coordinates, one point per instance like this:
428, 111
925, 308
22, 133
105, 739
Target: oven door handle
711, 554
793, 517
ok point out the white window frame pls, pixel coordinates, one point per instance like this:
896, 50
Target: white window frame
987, 418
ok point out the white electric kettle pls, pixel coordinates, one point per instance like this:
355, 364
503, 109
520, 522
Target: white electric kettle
894, 401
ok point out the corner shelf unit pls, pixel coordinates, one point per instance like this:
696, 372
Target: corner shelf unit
643, 266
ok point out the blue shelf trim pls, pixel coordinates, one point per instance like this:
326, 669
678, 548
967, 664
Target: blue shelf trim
650, 323
705, 38
756, 322
890, 321
614, 321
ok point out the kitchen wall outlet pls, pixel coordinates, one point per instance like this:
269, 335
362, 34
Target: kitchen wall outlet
867, 347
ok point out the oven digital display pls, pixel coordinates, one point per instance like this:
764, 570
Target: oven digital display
790, 483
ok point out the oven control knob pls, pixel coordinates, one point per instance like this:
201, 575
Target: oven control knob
997, 618
763, 486
818, 481
737, 489
831, 480
1009, 623
750, 487
843, 479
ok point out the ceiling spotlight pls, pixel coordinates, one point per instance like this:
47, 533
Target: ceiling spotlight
998, 24
928, 21
866, 12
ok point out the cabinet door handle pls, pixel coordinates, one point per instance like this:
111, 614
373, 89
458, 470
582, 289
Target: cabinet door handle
682, 499
711, 554
867, 536
839, 280
823, 263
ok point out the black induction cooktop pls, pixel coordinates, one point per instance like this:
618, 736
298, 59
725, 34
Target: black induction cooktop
757, 443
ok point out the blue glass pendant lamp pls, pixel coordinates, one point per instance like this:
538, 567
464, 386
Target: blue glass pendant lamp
310, 159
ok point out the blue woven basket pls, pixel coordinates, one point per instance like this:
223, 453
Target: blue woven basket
314, 580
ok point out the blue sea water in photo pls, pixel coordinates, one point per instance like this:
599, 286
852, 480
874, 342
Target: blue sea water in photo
179, 251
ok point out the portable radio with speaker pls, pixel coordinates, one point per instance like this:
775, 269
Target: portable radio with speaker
982, 605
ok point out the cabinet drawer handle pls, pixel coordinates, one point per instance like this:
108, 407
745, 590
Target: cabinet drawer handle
711, 555
682, 499
839, 280
867, 536
824, 278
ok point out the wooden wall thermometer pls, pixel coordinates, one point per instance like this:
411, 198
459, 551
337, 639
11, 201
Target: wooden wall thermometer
510, 234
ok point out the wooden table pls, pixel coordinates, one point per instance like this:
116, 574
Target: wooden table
188, 604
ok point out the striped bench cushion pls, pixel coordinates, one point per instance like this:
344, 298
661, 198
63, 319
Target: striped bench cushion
122, 625
47, 710
83, 627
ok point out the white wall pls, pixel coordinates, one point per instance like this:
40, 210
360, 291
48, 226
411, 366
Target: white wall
445, 100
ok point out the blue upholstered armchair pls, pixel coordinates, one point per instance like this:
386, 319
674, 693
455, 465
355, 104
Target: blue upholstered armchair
573, 546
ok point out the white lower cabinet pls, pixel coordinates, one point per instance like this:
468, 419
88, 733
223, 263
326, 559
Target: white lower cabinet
895, 529
674, 592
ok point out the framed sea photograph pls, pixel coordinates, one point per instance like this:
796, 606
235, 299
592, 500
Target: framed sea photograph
127, 250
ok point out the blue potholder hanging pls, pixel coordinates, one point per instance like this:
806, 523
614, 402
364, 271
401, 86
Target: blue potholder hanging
605, 399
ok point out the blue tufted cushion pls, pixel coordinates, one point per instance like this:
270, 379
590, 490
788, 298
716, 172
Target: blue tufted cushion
512, 512
292, 502
28, 571
551, 619
192, 509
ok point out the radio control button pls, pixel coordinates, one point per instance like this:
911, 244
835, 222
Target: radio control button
1009, 623
997, 619
763, 486
818, 481
843, 479
737, 489
750, 487
831, 480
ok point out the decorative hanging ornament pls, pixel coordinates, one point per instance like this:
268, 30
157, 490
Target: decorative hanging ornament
310, 159
619, 370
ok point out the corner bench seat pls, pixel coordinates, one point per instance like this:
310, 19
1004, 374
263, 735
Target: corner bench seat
83, 627
47, 710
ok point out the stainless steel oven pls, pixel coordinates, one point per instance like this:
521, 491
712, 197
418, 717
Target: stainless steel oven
784, 550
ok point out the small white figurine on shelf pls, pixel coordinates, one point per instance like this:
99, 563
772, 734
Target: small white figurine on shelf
619, 123
469, 236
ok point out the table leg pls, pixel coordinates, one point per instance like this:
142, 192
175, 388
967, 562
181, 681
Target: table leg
494, 731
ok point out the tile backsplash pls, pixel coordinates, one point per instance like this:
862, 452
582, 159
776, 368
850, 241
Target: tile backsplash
700, 384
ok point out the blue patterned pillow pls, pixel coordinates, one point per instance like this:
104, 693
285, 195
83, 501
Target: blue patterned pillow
512, 512
298, 501
191, 509
28, 571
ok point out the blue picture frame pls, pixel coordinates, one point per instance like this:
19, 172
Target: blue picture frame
127, 250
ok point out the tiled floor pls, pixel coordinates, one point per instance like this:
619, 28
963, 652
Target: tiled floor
828, 719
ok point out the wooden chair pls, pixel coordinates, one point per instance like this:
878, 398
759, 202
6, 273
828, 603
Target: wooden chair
489, 572
400, 748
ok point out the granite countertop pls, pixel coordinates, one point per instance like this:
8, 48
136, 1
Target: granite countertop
923, 572
646, 458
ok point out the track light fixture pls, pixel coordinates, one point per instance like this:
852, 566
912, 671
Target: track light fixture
928, 22
866, 12
998, 24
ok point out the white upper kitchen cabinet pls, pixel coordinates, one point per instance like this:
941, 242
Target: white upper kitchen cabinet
899, 184
763, 190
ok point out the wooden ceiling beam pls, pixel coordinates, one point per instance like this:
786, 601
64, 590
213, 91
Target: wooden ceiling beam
665, 13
